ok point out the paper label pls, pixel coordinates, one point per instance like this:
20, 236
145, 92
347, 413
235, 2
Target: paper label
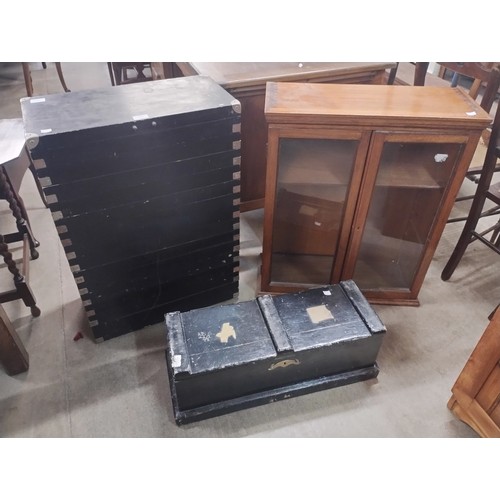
318, 314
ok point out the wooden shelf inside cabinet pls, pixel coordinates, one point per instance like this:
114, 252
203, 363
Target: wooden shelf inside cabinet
408, 178
315, 166
373, 172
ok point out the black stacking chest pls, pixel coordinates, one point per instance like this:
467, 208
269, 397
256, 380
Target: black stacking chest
143, 185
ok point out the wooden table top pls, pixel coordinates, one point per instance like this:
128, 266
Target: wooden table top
234, 75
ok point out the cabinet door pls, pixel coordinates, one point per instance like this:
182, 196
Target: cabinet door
410, 183
313, 180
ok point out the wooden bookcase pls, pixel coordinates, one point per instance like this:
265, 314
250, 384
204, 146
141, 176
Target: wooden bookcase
360, 183
476, 392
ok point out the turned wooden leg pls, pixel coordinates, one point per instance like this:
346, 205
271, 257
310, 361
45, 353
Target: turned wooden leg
19, 212
22, 289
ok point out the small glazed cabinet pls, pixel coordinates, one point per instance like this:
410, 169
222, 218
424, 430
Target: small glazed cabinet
360, 183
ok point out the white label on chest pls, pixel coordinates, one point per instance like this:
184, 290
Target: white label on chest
318, 314
176, 360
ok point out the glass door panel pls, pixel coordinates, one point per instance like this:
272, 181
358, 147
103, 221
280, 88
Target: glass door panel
311, 191
407, 194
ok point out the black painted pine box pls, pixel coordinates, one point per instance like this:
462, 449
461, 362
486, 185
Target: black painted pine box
143, 185
235, 356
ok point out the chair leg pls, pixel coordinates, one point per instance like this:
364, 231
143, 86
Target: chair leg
19, 211
392, 74
23, 291
61, 77
458, 252
420, 72
27, 78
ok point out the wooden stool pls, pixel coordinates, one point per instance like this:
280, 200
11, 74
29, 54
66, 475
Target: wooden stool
13, 355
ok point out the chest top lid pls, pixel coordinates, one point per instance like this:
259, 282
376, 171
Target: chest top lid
326, 316
101, 107
372, 105
217, 337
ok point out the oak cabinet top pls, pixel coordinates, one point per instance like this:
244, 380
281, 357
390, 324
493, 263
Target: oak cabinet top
372, 105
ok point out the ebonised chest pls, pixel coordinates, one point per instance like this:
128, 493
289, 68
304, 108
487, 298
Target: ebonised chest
143, 184
229, 357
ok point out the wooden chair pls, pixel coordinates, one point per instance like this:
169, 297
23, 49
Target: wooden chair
21, 288
14, 162
119, 72
483, 74
11, 155
29, 82
485, 191
486, 77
